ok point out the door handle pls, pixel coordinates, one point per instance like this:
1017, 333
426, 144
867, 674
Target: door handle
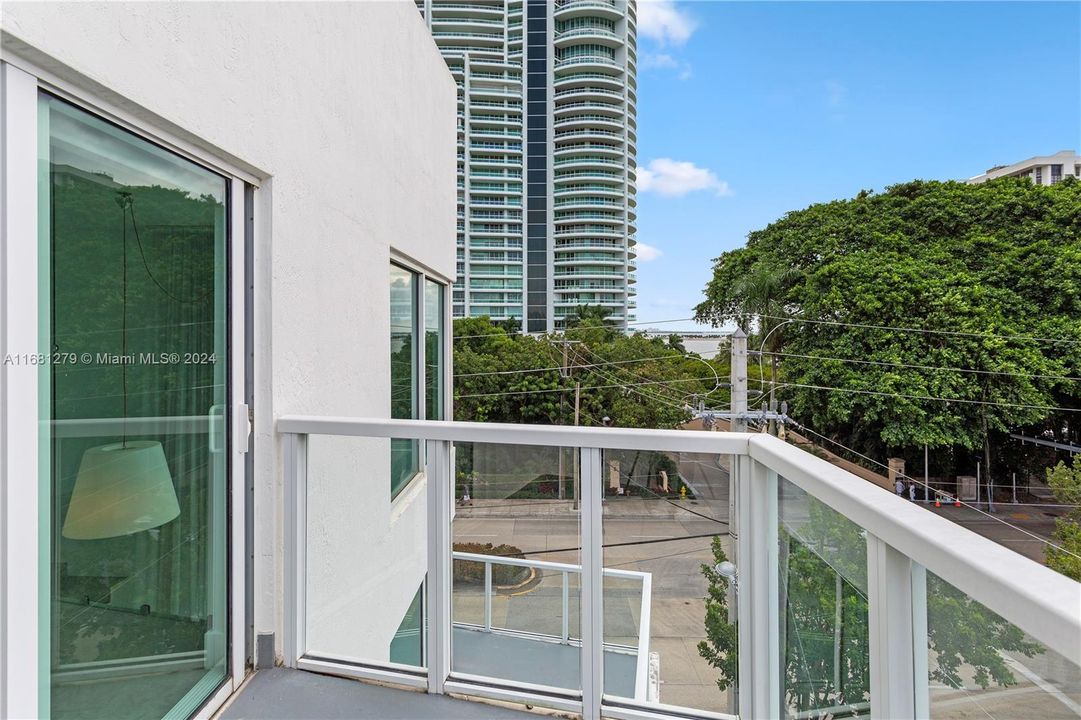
242, 424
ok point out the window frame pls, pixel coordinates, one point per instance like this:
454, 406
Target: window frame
423, 275
24, 537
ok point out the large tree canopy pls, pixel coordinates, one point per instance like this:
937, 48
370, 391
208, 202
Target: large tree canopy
634, 380
999, 260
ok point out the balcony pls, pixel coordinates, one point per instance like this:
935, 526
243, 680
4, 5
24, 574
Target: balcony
582, 8
565, 568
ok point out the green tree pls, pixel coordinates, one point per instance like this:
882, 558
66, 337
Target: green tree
1065, 483
676, 343
995, 262
634, 380
826, 662
721, 647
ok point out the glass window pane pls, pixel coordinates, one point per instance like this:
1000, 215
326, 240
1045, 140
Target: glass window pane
134, 239
824, 611
669, 625
366, 558
517, 565
407, 646
405, 454
980, 665
433, 350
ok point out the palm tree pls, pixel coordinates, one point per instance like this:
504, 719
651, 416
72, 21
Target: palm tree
760, 299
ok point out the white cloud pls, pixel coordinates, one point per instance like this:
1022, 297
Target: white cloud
664, 61
675, 178
646, 252
662, 21
659, 60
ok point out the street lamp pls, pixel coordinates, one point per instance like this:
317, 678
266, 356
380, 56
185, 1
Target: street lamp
728, 571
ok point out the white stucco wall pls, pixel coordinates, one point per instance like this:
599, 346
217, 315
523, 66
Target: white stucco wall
346, 112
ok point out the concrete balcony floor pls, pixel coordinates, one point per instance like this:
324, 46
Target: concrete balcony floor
522, 659
280, 694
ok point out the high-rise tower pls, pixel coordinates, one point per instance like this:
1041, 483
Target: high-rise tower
546, 155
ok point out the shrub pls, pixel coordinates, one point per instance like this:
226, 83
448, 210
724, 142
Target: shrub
470, 571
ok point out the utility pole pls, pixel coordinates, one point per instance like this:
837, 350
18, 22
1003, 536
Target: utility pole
926, 477
565, 371
577, 398
738, 423
739, 380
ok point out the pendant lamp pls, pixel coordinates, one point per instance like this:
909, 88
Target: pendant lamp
125, 487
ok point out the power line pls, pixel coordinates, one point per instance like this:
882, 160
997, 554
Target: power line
563, 389
507, 333
926, 486
958, 333
625, 544
654, 396
587, 366
922, 367
931, 397
589, 387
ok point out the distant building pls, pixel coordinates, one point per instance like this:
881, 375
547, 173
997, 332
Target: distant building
547, 139
1042, 170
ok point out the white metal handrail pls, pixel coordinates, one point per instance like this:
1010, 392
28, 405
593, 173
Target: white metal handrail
723, 443
1039, 600
903, 541
565, 570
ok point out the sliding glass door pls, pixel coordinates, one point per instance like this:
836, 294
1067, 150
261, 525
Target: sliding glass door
134, 303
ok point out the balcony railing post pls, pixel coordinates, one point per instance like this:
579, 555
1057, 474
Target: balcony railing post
919, 643
487, 596
295, 470
758, 613
592, 585
890, 616
566, 608
440, 564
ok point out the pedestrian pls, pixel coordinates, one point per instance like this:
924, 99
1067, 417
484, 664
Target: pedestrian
912, 491
899, 487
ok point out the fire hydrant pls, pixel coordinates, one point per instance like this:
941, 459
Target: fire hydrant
683, 492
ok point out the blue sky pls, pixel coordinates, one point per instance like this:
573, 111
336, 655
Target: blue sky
747, 110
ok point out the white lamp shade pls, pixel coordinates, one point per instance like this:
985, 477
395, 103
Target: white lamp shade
121, 488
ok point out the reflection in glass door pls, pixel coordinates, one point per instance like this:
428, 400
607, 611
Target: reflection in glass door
134, 241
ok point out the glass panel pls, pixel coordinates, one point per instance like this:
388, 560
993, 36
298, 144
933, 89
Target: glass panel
517, 566
407, 646
980, 665
405, 454
433, 349
668, 635
365, 557
135, 244
824, 612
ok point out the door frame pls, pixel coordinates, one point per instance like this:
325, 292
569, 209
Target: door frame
24, 539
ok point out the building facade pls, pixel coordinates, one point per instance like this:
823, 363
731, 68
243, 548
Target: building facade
1042, 169
546, 155
175, 253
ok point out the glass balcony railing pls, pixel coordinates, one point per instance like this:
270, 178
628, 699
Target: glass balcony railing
588, 60
609, 572
602, 32
589, 91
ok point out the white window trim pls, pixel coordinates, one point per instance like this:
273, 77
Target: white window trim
408, 493
98, 100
